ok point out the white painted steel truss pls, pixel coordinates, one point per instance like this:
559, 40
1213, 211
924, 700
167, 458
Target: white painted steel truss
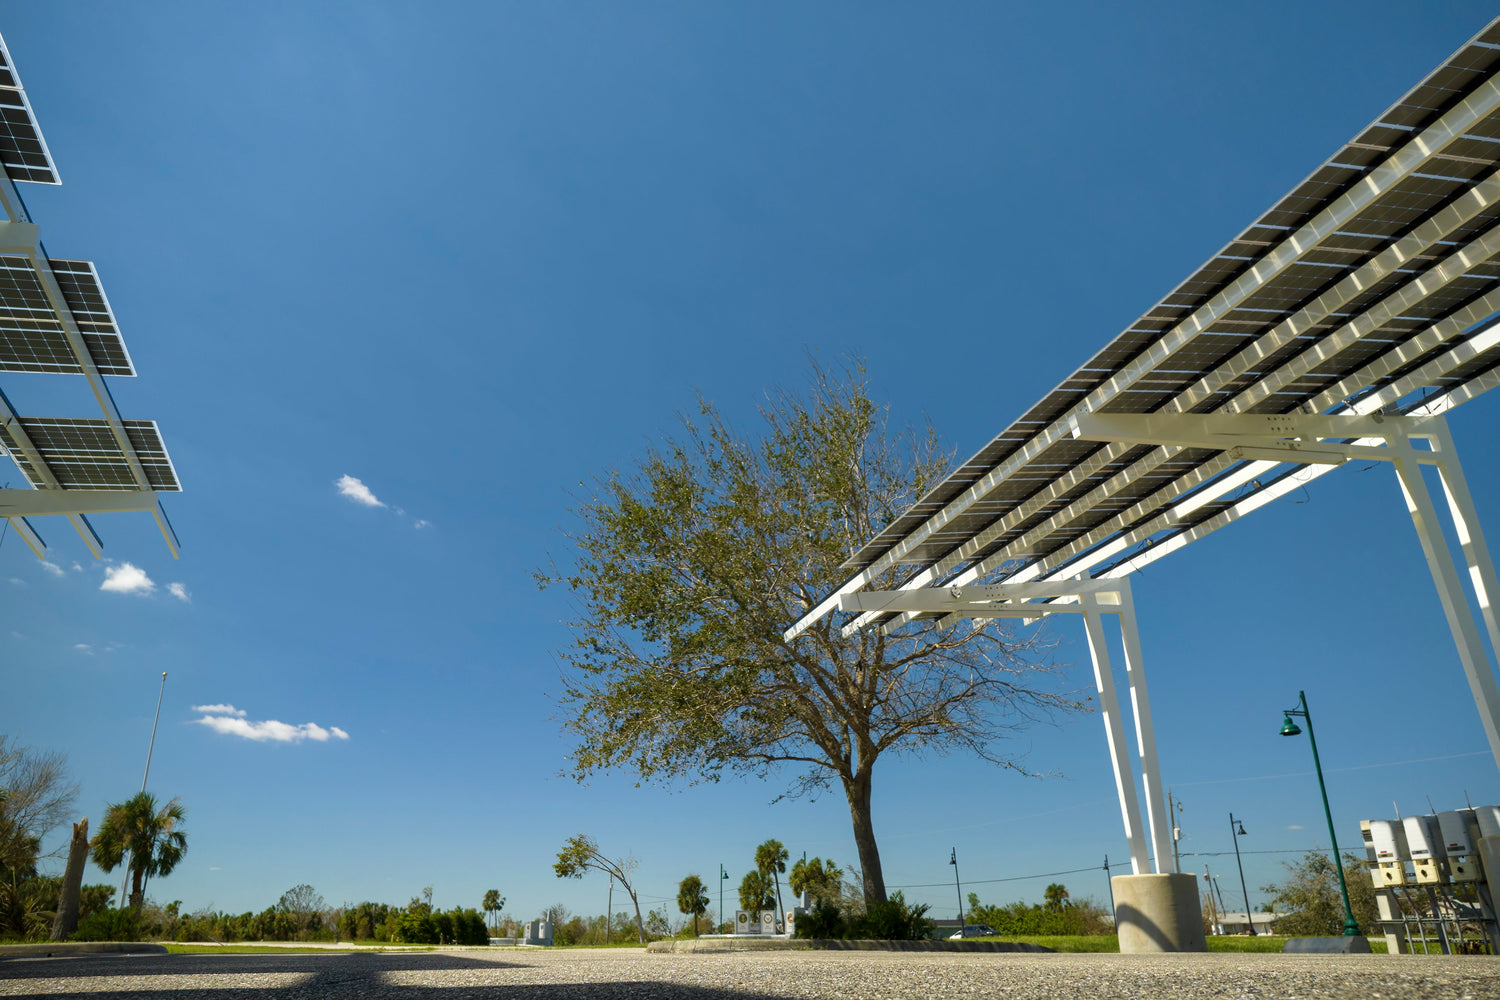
1331, 440
1093, 599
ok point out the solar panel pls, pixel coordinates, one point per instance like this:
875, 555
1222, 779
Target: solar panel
23, 151
31, 331
1371, 282
86, 455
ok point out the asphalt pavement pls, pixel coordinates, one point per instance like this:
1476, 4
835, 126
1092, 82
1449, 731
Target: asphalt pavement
631, 974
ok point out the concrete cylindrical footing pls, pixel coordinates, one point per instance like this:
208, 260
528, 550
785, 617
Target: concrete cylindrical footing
1158, 913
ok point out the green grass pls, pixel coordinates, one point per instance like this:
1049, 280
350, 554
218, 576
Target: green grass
1227, 943
269, 949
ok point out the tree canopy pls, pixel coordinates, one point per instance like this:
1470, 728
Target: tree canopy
691, 565
1310, 898
692, 899
582, 853
153, 838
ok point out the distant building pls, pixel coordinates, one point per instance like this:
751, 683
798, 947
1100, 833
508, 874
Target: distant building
1234, 923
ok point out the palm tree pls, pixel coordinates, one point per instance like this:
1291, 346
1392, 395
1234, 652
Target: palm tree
1056, 896
770, 859
493, 902
153, 837
692, 897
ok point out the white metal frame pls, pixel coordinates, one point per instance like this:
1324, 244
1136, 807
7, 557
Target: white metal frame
1332, 440
1093, 599
19, 236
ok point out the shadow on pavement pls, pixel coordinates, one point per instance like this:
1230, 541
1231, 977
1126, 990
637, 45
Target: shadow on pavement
332, 976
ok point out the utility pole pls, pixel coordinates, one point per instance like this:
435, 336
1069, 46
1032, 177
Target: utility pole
150, 748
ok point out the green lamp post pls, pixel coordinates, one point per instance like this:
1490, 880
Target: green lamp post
1290, 728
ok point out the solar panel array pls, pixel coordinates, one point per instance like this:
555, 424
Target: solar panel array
85, 454
1373, 283
56, 319
32, 337
23, 151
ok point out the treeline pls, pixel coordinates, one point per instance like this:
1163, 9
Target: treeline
416, 923
599, 930
1059, 915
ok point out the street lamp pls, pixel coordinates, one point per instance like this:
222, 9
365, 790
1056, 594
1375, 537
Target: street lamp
953, 860
722, 876
1237, 834
1290, 728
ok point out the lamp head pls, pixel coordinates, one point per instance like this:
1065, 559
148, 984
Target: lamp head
1242, 829
953, 856
1290, 728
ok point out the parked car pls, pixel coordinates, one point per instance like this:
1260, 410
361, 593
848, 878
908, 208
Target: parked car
973, 930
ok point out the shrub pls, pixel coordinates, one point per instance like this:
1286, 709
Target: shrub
892, 920
824, 921
109, 925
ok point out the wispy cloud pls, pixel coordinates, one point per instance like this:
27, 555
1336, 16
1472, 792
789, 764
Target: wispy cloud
231, 721
357, 491
127, 578
180, 592
84, 647
52, 567
422, 524
220, 710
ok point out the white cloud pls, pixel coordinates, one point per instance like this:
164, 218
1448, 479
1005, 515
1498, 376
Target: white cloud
232, 722
127, 578
18, 581
220, 710
180, 592
357, 491
52, 568
422, 524
215, 868
84, 647
1294, 826
77, 567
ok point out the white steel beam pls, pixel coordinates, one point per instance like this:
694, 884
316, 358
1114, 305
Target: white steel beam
1388, 307
28, 535
32, 503
1471, 652
1091, 599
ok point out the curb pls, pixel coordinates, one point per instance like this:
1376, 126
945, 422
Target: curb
700, 946
55, 949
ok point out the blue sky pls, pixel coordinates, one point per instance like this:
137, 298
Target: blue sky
471, 255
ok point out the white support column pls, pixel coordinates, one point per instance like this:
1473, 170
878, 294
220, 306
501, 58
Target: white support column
1471, 651
1470, 536
1145, 735
1109, 706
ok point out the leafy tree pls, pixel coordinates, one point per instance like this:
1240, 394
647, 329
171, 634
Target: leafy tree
692, 899
1311, 900
493, 902
757, 892
820, 878
303, 904
581, 853
36, 796
691, 567
153, 837
1056, 896
770, 859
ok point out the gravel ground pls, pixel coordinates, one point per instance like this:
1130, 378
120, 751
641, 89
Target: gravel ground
620, 974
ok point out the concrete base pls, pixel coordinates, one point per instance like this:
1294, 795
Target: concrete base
1155, 913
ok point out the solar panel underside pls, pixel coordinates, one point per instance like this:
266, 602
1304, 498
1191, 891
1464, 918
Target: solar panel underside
84, 455
1375, 274
23, 151
32, 335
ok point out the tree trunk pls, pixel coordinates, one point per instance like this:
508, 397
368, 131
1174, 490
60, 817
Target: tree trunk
858, 793
66, 921
640, 928
137, 889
